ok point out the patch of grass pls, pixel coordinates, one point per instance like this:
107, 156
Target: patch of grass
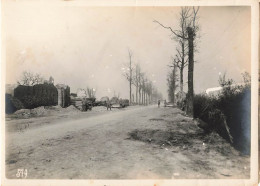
183, 141
167, 138
156, 119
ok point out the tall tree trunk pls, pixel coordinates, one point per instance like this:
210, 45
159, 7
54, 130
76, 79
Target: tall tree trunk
130, 93
139, 95
189, 104
136, 93
181, 81
142, 96
136, 78
182, 67
181, 98
174, 82
130, 78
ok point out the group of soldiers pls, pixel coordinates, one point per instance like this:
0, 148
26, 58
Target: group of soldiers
159, 102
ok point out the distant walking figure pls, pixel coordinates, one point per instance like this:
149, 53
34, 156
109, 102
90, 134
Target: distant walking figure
164, 103
159, 103
108, 105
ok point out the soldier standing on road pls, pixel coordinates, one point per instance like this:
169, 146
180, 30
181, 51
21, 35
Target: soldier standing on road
108, 105
164, 103
158, 103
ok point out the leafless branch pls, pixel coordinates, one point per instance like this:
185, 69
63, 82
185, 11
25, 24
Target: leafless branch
169, 28
30, 79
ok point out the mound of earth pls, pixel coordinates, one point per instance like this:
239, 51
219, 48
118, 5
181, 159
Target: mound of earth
43, 111
72, 108
26, 113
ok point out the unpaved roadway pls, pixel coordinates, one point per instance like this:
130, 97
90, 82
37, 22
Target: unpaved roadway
133, 143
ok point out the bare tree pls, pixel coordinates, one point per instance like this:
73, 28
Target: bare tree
140, 77
192, 30
172, 79
129, 74
91, 92
149, 91
189, 28
51, 80
136, 82
181, 62
143, 87
225, 82
145, 90
30, 79
180, 58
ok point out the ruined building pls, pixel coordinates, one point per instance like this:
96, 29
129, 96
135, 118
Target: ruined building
63, 95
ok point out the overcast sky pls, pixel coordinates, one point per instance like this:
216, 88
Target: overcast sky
87, 46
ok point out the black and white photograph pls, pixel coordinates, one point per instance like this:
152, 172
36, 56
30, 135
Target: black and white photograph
119, 92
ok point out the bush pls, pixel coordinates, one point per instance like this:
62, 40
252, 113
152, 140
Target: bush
232, 106
12, 104
236, 105
37, 95
203, 106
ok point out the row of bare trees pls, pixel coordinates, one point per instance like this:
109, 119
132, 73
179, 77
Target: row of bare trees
145, 91
29, 79
87, 92
172, 83
185, 35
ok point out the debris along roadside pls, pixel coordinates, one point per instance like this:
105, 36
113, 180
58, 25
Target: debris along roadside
83, 104
88, 103
41, 112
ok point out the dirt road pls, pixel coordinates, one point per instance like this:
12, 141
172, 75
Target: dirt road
134, 143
